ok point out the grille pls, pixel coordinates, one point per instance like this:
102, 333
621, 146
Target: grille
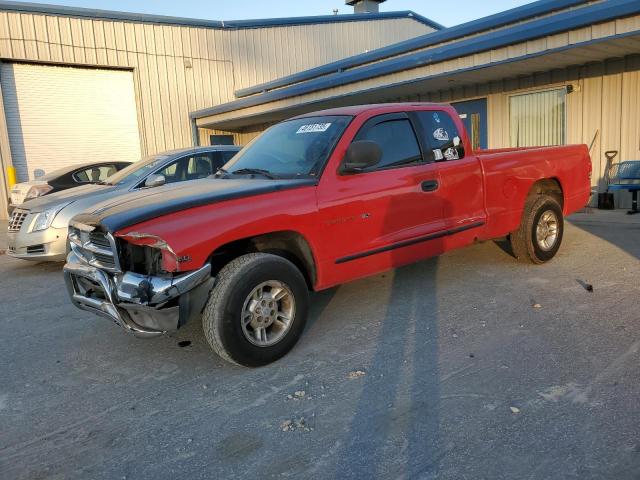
17, 219
106, 260
95, 247
35, 249
99, 239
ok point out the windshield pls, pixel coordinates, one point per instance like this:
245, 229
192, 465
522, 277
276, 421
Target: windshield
290, 149
136, 170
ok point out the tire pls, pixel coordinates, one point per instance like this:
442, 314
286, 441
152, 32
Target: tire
525, 242
237, 291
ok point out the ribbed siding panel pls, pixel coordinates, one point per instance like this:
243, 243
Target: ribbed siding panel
179, 69
59, 116
261, 55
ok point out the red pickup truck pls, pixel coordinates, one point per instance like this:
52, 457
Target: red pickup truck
313, 202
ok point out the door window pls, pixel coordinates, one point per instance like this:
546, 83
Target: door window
199, 167
397, 140
187, 168
94, 174
441, 136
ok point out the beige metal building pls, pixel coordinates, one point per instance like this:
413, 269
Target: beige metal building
80, 84
550, 72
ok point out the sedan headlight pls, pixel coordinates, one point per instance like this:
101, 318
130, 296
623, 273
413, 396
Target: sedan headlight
43, 220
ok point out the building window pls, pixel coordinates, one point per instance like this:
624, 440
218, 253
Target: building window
538, 119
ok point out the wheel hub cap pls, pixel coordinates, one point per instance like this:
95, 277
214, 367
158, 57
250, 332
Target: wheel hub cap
268, 313
547, 230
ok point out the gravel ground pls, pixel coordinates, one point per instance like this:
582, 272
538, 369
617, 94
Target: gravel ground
468, 366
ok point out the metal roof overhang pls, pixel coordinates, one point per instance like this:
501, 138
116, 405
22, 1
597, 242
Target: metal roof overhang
573, 55
509, 17
94, 13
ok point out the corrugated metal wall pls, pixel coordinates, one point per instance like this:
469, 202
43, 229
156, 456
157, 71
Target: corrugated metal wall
266, 54
603, 107
179, 69
448, 67
606, 100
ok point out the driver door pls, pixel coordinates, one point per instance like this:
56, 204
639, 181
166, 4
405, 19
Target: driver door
379, 218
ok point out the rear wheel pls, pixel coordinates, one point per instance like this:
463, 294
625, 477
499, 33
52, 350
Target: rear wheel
257, 311
540, 233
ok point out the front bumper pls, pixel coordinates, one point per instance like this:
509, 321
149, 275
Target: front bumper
45, 245
144, 305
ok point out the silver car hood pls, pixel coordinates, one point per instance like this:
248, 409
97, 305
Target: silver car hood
70, 195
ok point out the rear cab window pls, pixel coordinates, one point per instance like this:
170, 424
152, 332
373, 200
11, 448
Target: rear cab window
440, 136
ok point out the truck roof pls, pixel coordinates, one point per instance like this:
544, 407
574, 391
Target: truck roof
358, 109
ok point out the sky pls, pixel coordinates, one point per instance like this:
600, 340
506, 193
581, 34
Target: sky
437, 10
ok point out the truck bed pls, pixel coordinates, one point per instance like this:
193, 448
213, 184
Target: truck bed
510, 172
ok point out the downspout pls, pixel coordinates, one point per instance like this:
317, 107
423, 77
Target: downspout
195, 134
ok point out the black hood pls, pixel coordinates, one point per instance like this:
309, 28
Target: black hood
135, 207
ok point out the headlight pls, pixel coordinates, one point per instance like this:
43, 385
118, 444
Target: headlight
43, 220
38, 190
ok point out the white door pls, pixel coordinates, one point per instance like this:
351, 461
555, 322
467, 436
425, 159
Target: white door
59, 116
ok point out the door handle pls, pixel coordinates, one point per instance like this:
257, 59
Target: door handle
430, 185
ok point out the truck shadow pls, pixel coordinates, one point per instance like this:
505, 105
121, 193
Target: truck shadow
395, 429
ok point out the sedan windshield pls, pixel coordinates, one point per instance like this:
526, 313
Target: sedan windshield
291, 149
136, 170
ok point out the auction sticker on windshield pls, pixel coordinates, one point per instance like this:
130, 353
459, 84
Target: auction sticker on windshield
314, 128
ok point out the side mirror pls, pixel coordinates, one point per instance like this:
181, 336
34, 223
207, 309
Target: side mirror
155, 180
361, 155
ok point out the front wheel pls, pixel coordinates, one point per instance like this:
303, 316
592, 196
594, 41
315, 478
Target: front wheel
257, 310
539, 236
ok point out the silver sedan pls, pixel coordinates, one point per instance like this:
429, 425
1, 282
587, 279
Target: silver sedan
38, 228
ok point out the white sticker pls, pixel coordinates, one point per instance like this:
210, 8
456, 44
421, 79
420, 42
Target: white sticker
314, 128
437, 153
436, 117
451, 154
441, 134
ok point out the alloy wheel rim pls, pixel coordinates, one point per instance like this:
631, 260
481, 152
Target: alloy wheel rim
547, 230
268, 313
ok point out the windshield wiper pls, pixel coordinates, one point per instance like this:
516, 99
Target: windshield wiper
257, 171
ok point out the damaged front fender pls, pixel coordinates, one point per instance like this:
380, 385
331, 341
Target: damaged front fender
170, 260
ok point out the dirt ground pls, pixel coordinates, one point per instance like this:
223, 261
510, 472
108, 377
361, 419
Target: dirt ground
468, 366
